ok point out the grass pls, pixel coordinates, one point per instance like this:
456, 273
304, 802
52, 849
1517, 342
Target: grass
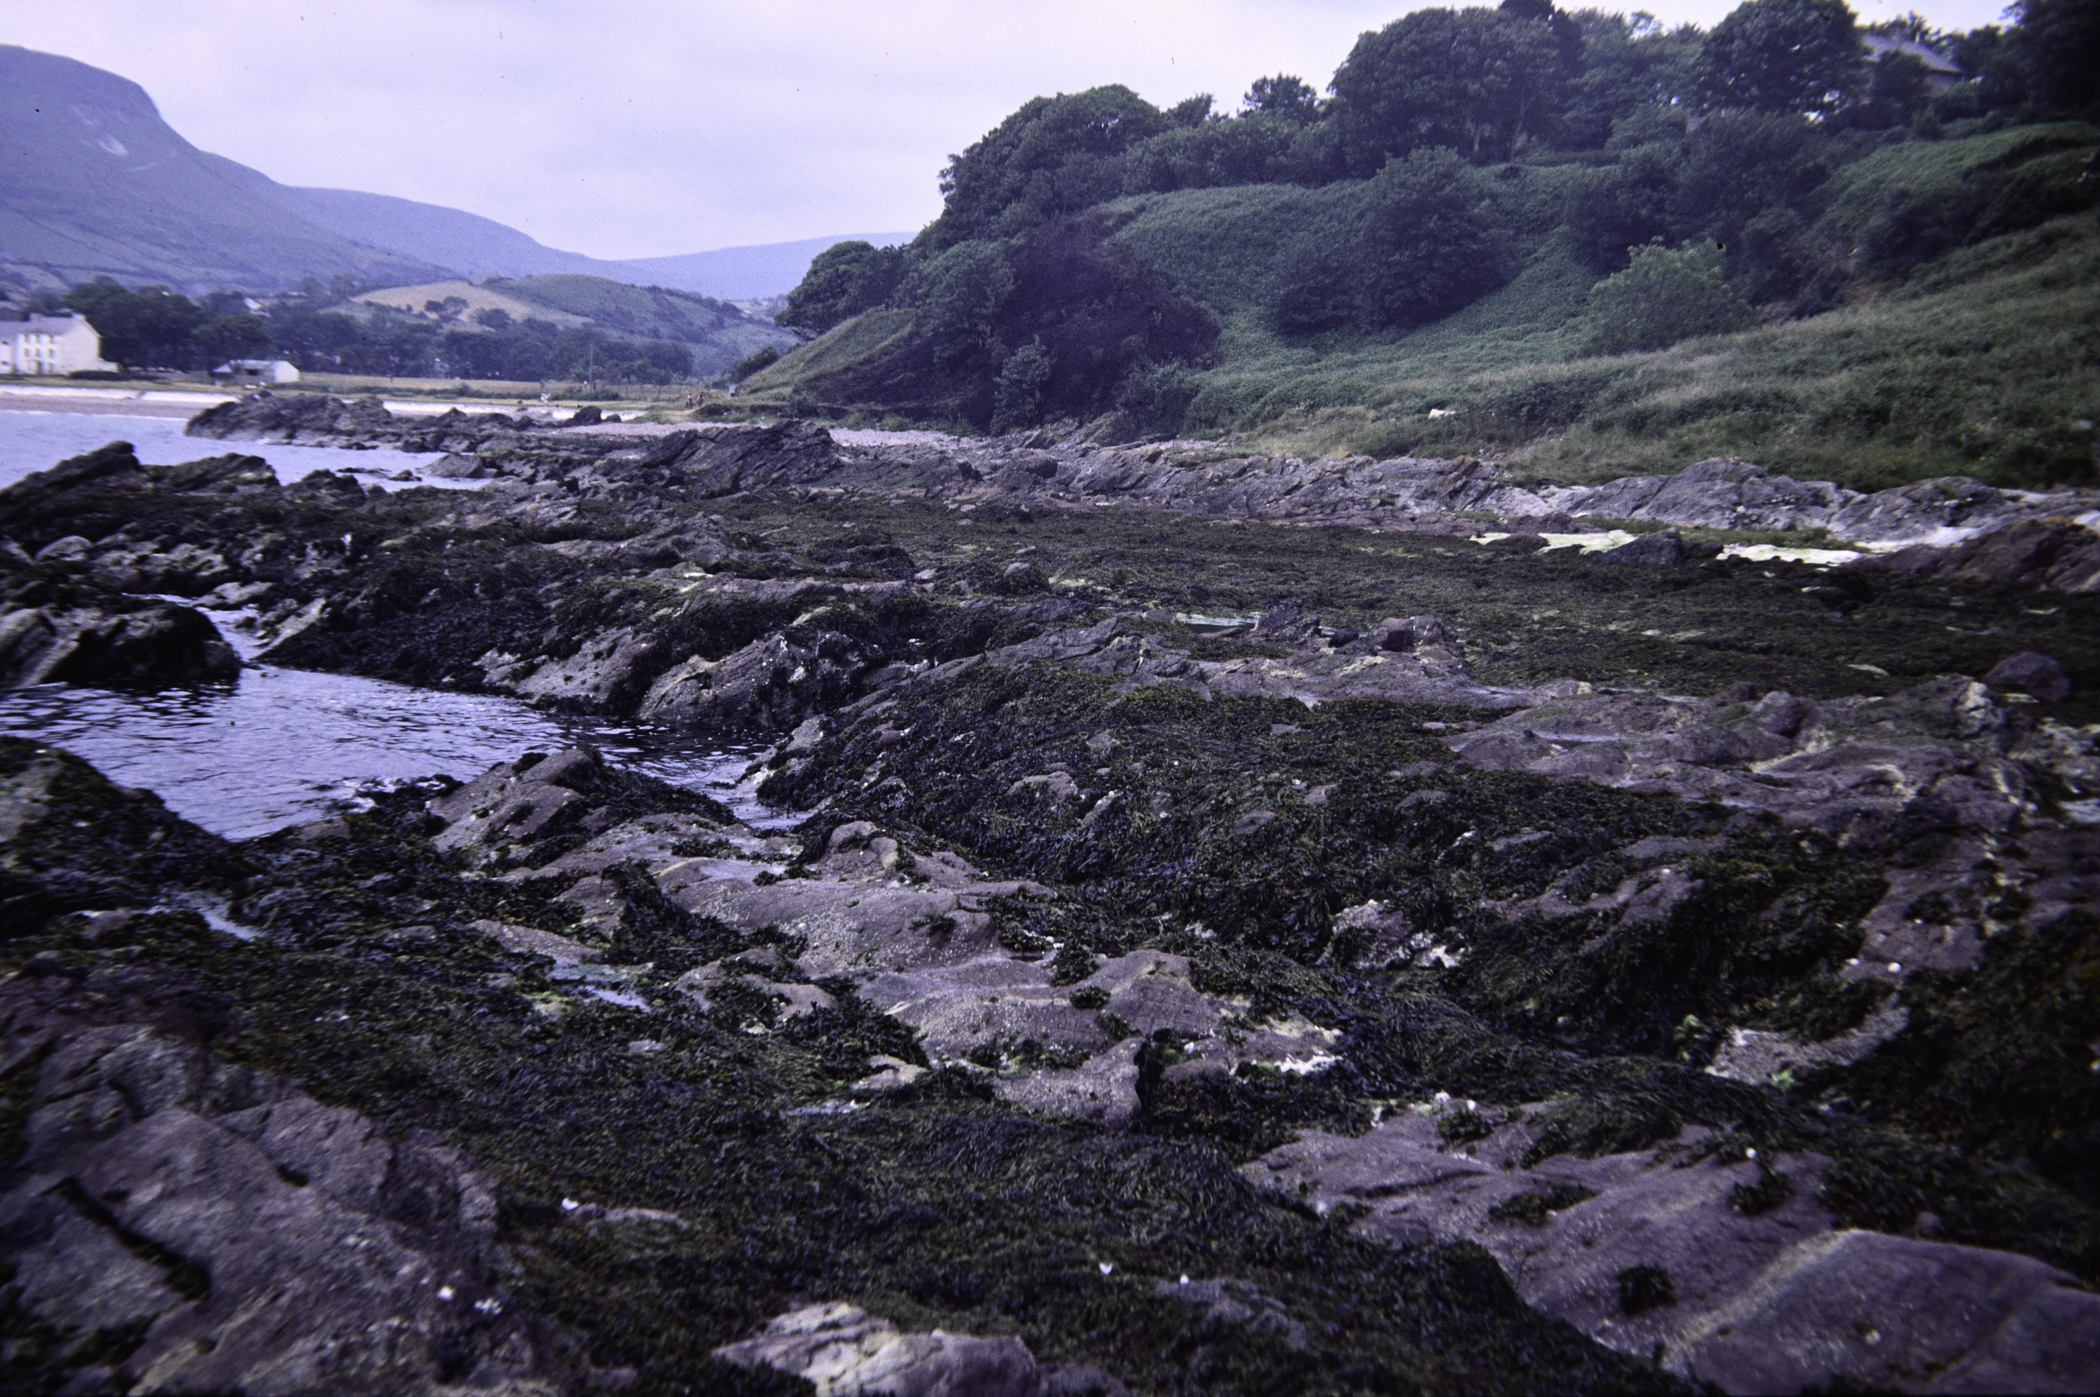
1963, 349
1985, 365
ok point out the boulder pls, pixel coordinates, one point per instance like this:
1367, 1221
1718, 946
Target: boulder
2031, 672
842, 1351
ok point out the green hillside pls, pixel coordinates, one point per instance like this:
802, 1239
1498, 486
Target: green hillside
1601, 247
718, 333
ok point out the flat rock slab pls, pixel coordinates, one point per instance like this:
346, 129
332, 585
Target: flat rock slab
1771, 1300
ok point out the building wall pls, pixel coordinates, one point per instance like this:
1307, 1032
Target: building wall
57, 344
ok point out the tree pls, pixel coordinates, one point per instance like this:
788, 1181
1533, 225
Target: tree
1792, 56
1479, 81
1663, 297
225, 337
1017, 399
1422, 243
957, 300
1431, 240
1624, 205
2057, 43
1289, 98
842, 281
1056, 155
1633, 74
148, 328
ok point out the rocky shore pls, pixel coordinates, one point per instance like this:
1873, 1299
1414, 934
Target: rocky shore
1254, 926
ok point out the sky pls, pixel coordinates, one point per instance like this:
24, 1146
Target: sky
644, 128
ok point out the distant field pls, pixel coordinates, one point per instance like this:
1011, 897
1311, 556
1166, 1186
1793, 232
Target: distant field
413, 298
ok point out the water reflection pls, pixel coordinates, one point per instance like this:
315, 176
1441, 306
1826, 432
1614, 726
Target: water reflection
34, 441
286, 746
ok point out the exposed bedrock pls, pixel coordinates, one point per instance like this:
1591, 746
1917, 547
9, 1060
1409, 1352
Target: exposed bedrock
179, 1224
1209, 478
1718, 1263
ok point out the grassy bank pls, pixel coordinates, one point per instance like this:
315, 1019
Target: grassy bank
1985, 364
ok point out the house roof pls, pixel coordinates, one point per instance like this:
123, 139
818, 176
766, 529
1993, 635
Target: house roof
1880, 46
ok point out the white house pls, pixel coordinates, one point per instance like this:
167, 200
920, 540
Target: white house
259, 370
50, 344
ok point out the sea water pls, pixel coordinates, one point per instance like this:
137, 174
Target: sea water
34, 441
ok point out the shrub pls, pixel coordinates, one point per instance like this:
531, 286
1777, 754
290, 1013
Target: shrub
1664, 296
1017, 401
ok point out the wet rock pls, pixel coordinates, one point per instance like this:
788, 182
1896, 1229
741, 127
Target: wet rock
515, 804
845, 1352
1665, 549
773, 683
185, 1225
2033, 673
2053, 553
1237, 1303
146, 646
1762, 1297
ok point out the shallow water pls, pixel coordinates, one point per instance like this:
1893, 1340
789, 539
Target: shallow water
286, 746
34, 441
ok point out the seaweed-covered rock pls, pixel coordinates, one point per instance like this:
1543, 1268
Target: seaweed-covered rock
1761, 1294
176, 1223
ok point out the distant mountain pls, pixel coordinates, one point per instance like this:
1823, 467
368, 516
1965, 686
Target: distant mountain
94, 183
739, 273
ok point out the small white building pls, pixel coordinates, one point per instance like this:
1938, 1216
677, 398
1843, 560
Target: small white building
258, 370
50, 344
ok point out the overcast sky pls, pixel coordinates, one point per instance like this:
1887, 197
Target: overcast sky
639, 128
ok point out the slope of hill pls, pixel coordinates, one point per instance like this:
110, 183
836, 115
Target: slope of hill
738, 273
93, 182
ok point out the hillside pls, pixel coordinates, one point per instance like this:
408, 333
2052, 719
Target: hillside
1854, 274
94, 183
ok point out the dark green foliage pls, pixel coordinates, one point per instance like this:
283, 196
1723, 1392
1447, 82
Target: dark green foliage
1091, 321
154, 327
751, 363
1420, 243
1534, 1207
1478, 81
1017, 400
843, 280
1663, 297
1622, 205
1054, 156
2057, 45
1286, 96
1784, 56
1644, 1288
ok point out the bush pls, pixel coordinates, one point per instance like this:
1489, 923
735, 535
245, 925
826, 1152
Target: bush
1664, 296
958, 296
1017, 401
844, 280
751, 363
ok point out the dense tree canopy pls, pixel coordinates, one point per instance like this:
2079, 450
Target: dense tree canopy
844, 280
1481, 82
1783, 56
1457, 142
1055, 155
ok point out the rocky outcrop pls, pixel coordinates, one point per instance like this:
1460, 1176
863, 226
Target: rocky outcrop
146, 647
1721, 1266
176, 1224
845, 1352
2054, 553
